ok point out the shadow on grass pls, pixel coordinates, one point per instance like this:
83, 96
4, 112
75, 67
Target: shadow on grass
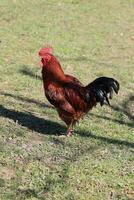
32, 122
106, 139
27, 193
27, 100
118, 121
48, 127
125, 108
28, 72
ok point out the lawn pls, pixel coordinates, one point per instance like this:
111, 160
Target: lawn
91, 38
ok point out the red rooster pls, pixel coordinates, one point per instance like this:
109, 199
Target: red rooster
68, 95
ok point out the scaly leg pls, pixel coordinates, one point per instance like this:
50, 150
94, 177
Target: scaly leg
70, 128
69, 132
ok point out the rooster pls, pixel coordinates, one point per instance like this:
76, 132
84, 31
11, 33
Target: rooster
68, 95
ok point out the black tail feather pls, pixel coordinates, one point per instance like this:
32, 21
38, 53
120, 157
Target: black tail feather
103, 88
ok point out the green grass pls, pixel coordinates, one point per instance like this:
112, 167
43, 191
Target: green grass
91, 39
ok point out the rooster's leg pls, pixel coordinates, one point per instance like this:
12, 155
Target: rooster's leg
70, 128
69, 133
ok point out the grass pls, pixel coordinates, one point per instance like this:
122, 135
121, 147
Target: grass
91, 39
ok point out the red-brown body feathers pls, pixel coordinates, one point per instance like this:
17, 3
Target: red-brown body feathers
71, 99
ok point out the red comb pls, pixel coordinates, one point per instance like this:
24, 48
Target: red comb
45, 50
